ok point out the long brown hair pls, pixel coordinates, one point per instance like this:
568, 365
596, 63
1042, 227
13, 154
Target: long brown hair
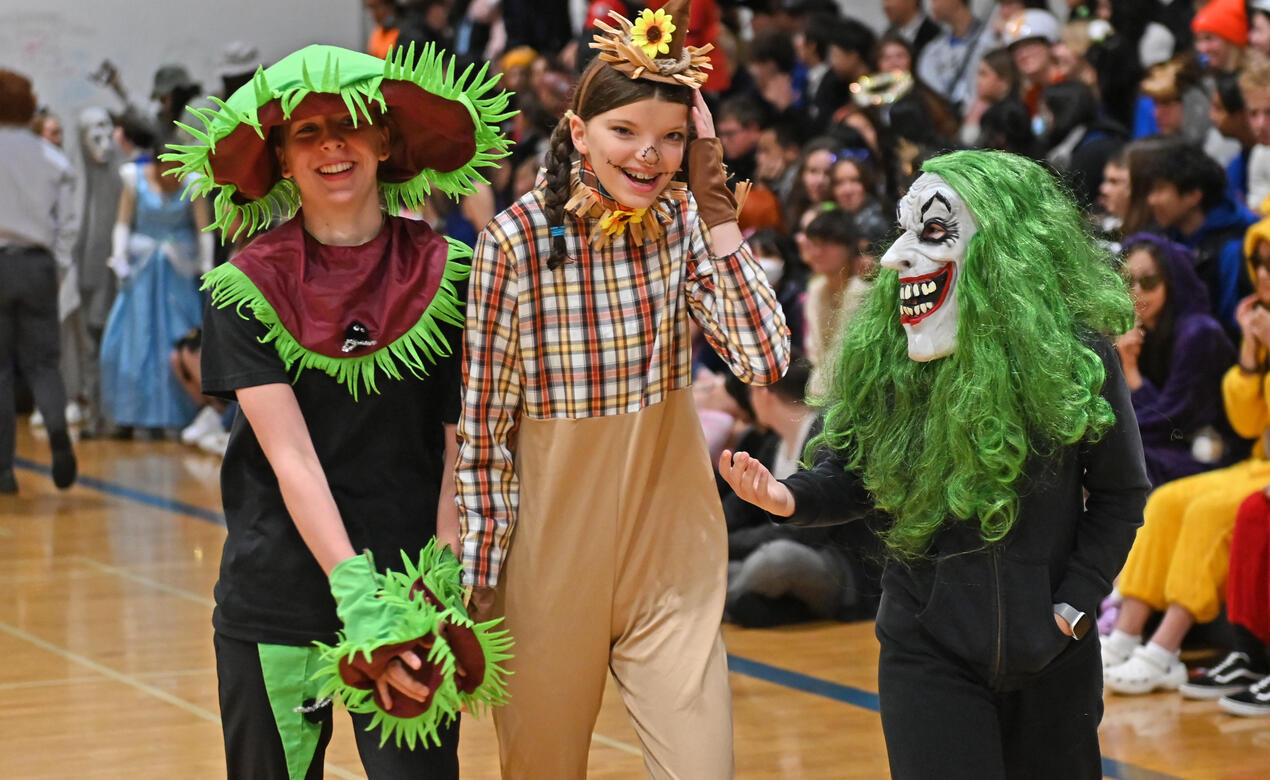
1141, 156
601, 88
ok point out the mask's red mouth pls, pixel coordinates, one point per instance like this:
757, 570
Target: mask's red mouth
921, 296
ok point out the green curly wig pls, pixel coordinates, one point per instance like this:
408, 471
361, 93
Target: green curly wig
948, 440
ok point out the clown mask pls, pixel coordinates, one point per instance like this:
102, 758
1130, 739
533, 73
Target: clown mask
95, 130
930, 257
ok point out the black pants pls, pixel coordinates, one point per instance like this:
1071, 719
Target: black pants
942, 719
253, 749
29, 334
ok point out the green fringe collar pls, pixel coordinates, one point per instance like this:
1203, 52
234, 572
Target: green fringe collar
415, 350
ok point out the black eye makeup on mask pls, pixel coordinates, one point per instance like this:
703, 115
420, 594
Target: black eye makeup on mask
939, 228
937, 231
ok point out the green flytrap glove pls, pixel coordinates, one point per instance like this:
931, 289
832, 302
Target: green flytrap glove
419, 610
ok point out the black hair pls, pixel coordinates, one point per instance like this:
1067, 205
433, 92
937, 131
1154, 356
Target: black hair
138, 130
1073, 104
775, 46
816, 32
836, 227
851, 35
1188, 168
788, 134
1006, 125
792, 387
745, 111
1226, 87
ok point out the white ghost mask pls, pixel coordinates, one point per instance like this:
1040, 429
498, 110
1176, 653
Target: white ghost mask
95, 131
930, 256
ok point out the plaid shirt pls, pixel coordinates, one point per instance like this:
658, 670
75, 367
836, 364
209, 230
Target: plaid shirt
606, 334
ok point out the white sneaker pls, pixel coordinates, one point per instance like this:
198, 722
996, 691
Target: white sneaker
74, 416
207, 421
214, 443
1143, 673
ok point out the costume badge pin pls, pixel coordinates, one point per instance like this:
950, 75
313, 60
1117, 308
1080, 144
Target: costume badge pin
356, 336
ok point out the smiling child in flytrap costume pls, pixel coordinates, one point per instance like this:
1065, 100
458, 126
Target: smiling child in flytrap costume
338, 333
591, 518
980, 404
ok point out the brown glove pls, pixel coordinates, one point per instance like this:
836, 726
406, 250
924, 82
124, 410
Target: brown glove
707, 180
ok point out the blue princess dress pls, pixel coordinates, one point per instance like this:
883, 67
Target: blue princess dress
158, 303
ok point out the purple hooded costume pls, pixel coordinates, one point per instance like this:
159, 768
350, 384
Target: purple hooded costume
1182, 362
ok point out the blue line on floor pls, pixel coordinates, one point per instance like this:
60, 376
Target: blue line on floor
141, 497
803, 682
1111, 768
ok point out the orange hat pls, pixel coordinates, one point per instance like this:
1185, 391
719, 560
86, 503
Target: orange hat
1225, 18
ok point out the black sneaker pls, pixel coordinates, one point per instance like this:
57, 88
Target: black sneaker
64, 466
1233, 675
8, 483
1250, 703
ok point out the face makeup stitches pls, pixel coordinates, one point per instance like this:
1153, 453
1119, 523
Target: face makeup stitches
929, 257
635, 148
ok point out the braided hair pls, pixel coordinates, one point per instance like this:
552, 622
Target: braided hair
601, 88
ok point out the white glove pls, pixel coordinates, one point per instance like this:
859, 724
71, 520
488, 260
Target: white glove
118, 261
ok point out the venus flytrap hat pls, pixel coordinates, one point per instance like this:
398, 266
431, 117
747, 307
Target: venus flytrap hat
383, 320
445, 128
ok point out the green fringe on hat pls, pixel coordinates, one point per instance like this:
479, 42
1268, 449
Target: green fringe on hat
431, 72
416, 349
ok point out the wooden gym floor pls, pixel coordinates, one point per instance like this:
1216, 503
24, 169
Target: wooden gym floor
107, 668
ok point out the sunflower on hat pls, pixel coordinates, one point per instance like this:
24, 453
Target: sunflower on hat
651, 32
654, 46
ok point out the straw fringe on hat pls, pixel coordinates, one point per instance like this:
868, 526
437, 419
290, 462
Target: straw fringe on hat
652, 46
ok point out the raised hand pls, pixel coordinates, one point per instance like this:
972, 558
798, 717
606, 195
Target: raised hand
752, 482
1129, 345
701, 116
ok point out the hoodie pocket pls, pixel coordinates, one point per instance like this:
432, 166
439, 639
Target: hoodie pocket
960, 613
1001, 620
1032, 638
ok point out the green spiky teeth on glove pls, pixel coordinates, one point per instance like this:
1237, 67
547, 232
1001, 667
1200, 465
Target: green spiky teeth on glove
419, 610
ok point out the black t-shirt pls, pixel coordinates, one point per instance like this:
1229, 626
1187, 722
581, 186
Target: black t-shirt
383, 456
